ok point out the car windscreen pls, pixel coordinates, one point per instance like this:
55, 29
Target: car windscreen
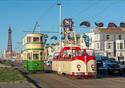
103, 58
111, 61
113, 65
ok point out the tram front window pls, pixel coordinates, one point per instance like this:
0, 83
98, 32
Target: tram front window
35, 56
35, 39
90, 52
72, 53
76, 52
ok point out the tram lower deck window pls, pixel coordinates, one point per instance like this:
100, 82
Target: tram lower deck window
35, 56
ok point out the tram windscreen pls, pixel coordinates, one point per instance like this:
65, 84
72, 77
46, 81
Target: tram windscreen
72, 53
90, 52
35, 39
35, 56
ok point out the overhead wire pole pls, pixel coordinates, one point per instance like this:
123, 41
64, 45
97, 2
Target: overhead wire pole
35, 27
60, 18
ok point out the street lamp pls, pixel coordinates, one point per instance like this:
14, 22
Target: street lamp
60, 18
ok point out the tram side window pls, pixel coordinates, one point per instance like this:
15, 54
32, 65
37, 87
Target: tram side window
65, 54
35, 56
78, 53
41, 39
83, 52
29, 39
41, 55
56, 55
35, 39
29, 56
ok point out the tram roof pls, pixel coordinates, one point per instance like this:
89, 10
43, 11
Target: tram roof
73, 48
34, 34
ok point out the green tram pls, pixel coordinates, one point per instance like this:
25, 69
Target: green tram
33, 52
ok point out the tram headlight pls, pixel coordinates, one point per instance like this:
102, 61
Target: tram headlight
78, 66
93, 67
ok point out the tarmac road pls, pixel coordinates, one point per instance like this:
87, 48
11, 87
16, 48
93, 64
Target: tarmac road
52, 80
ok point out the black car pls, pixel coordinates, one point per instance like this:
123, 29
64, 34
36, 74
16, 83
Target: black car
102, 58
106, 66
101, 70
113, 68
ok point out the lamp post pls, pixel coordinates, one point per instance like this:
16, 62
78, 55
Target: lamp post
60, 18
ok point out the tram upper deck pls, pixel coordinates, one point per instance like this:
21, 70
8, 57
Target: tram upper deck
33, 41
33, 45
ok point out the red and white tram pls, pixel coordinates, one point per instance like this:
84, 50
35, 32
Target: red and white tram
74, 61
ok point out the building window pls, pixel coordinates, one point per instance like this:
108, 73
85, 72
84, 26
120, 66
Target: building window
109, 46
96, 36
119, 46
107, 37
97, 45
35, 39
120, 37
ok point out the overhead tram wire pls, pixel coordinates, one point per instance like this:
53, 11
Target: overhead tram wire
46, 12
102, 11
35, 27
42, 16
83, 11
43, 31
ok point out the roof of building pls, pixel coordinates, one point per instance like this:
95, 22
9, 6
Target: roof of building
110, 30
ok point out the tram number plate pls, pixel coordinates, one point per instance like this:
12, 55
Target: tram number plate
78, 73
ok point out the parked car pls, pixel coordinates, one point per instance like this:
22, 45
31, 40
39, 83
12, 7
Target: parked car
106, 66
102, 58
101, 70
113, 68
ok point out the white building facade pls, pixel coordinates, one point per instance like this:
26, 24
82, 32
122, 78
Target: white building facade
108, 41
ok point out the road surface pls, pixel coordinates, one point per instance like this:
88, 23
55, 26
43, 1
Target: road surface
52, 80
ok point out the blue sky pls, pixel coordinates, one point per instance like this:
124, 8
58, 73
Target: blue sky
22, 15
